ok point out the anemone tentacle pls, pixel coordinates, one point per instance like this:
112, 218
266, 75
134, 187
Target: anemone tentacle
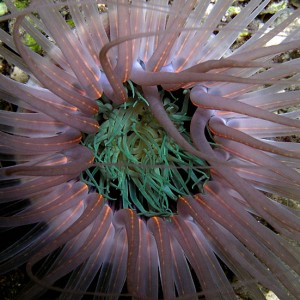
148, 151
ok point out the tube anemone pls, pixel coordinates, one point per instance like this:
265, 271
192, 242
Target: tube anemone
148, 150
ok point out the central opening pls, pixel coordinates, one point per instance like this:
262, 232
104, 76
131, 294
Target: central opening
137, 165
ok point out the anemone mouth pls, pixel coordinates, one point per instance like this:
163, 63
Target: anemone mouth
136, 162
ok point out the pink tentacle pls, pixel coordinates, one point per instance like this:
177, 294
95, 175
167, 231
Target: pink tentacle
207, 101
218, 127
74, 161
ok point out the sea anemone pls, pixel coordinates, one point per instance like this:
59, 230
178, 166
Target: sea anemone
148, 151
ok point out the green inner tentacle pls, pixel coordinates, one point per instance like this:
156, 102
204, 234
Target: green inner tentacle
136, 160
